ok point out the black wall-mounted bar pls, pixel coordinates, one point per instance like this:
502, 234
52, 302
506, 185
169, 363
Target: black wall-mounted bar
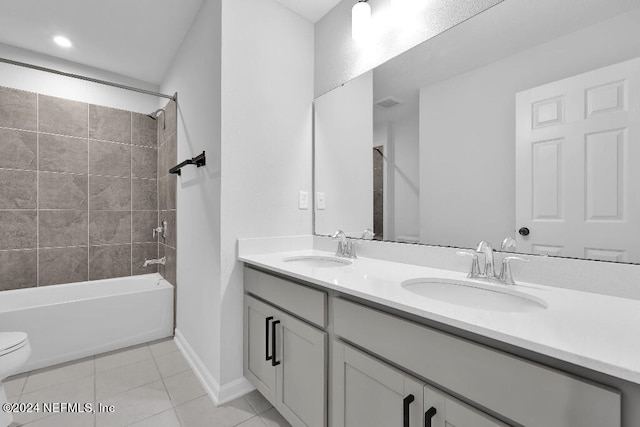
200, 160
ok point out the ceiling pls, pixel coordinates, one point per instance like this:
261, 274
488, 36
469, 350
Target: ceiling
312, 10
133, 38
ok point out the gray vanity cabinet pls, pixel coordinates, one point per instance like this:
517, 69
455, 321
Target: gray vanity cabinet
368, 392
285, 357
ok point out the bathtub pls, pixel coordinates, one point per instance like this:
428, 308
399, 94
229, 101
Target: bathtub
76, 320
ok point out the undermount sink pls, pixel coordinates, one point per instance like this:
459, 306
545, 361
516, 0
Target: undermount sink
475, 295
319, 261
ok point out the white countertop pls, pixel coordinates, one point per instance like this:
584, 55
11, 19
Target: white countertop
595, 331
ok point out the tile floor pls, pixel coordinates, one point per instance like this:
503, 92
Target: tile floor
149, 385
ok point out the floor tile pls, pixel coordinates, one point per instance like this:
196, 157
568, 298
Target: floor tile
257, 401
171, 364
165, 419
79, 391
203, 413
252, 422
59, 374
66, 420
118, 358
135, 405
13, 385
125, 378
183, 387
162, 347
272, 418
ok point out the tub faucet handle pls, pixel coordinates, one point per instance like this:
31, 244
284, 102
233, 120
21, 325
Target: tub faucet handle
162, 228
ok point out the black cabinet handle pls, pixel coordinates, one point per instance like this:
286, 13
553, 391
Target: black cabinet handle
406, 402
273, 343
428, 416
266, 338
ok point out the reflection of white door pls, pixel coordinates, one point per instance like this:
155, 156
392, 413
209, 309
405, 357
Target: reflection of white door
578, 165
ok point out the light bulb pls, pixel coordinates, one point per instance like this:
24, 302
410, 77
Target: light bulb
360, 20
62, 41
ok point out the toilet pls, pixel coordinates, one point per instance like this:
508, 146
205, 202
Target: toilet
14, 352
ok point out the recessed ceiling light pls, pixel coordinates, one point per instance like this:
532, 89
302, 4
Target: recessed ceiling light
62, 41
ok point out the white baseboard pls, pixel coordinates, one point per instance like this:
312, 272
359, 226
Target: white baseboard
219, 395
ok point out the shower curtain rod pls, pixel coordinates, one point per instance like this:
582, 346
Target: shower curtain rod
88, 79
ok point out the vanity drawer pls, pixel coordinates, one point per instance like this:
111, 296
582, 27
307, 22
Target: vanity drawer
307, 303
525, 392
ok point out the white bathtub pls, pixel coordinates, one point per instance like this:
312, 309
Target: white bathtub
75, 320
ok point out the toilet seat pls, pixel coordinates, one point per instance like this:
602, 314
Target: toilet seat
11, 341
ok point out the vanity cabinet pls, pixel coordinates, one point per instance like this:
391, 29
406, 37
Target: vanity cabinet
368, 392
285, 357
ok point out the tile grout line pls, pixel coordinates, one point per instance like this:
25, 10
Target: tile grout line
89, 197
131, 190
37, 191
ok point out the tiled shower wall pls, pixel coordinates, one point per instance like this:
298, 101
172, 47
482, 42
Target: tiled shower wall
78, 191
167, 158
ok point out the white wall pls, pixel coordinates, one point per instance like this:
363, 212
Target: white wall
195, 75
70, 88
338, 58
267, 94
467, 131
344, 157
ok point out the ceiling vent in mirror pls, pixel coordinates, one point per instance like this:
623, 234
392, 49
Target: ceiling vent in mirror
388, 102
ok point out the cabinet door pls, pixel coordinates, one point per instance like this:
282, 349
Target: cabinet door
257, 346
442, 410
367, 392
301, 374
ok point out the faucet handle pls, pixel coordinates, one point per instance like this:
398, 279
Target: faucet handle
368, 234
475, 265
508, 245
506, 275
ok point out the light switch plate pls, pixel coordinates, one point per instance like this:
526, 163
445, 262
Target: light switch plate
321, 198
303, 200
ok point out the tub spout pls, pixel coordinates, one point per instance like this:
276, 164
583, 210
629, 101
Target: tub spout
148, 262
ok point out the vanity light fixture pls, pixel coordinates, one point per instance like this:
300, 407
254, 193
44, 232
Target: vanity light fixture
62, 41
360, 20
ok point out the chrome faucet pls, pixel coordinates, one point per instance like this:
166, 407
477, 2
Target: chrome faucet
148, 262
346, 247
489, 273
489, 267
161, 229
368, 234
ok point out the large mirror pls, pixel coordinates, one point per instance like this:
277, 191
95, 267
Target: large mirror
522, 122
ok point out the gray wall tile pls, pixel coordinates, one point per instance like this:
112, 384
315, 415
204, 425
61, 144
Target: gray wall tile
141, 252
172, 182
109, 261
109, 124
62, 191
18, 269
63, 154
162, 193
107, 193
106, 158
170, 217
18, 109
17, 189
18, 149
63, 265
169, 270
62, 116
170, 120
144, 162
59, 228
143, 223
18, 229
145, 194
144, 130
109, 227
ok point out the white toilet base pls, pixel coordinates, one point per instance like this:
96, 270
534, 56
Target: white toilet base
5, 417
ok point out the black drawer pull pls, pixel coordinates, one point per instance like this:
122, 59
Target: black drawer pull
266, 338
406, 402
274, 362
428, 416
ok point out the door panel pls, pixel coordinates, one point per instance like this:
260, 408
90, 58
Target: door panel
575, 140
367, 392
451, 412
257, 344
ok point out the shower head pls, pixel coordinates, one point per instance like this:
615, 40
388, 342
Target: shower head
154, 115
